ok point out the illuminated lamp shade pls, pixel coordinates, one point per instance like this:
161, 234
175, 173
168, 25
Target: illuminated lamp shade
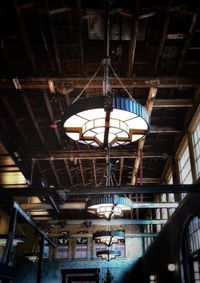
108, 254
109, 237
18, 239
32, 256
91, 121
171, 267
108, 206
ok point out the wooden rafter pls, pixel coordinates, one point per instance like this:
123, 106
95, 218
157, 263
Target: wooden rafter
133, 42
68, 172
52, 117
81, 45
86, 191
54, 170
34, 120
25, 36
162, 41
149, 106
81, 170
121, 170
187, 43
53, 36
94, 171
42, 83
92, 154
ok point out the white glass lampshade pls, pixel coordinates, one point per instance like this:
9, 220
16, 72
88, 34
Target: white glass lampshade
108, 206
86, 121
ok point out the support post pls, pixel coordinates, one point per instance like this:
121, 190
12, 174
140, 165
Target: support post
40, 262
11, 233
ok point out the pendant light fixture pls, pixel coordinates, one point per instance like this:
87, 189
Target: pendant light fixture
106, 120
108, 206
109, 237
108, 254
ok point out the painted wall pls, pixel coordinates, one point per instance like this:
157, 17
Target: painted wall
52, 267
166, 248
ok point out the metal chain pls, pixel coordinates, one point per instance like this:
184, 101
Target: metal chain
123, 86
87, 84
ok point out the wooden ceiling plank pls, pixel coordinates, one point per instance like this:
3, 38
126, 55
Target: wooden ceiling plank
187, 43
86, 191
135, 26
81, 43
53, 36
80, 82
162, 41
95, 154
25, 37
174, 103
14, 118
164, 130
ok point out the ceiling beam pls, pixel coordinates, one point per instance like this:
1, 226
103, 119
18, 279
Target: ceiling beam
25, 37
93, 153
174, 103
121, 170
162, 41
87, 191
80, 82
111, 222
94, 170
187, 43
68, 172
149, 107
81, 170
133, 41
52, 117
82, 205
54, 171
53, 36
81, 43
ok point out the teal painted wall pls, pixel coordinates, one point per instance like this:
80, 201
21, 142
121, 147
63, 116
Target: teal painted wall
27, 271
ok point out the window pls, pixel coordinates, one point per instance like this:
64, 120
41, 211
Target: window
191, 251
185, 167
164, 214
46, 250
81, 248
196, 146
170, 196
185, 172
62, 252
158, 216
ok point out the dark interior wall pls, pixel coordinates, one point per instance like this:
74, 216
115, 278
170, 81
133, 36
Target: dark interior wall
166, 248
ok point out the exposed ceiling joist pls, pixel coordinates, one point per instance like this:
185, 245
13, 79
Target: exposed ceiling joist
80, 82
149, 106
87, 191
72, 155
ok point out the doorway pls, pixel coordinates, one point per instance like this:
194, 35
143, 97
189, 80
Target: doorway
89, 275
